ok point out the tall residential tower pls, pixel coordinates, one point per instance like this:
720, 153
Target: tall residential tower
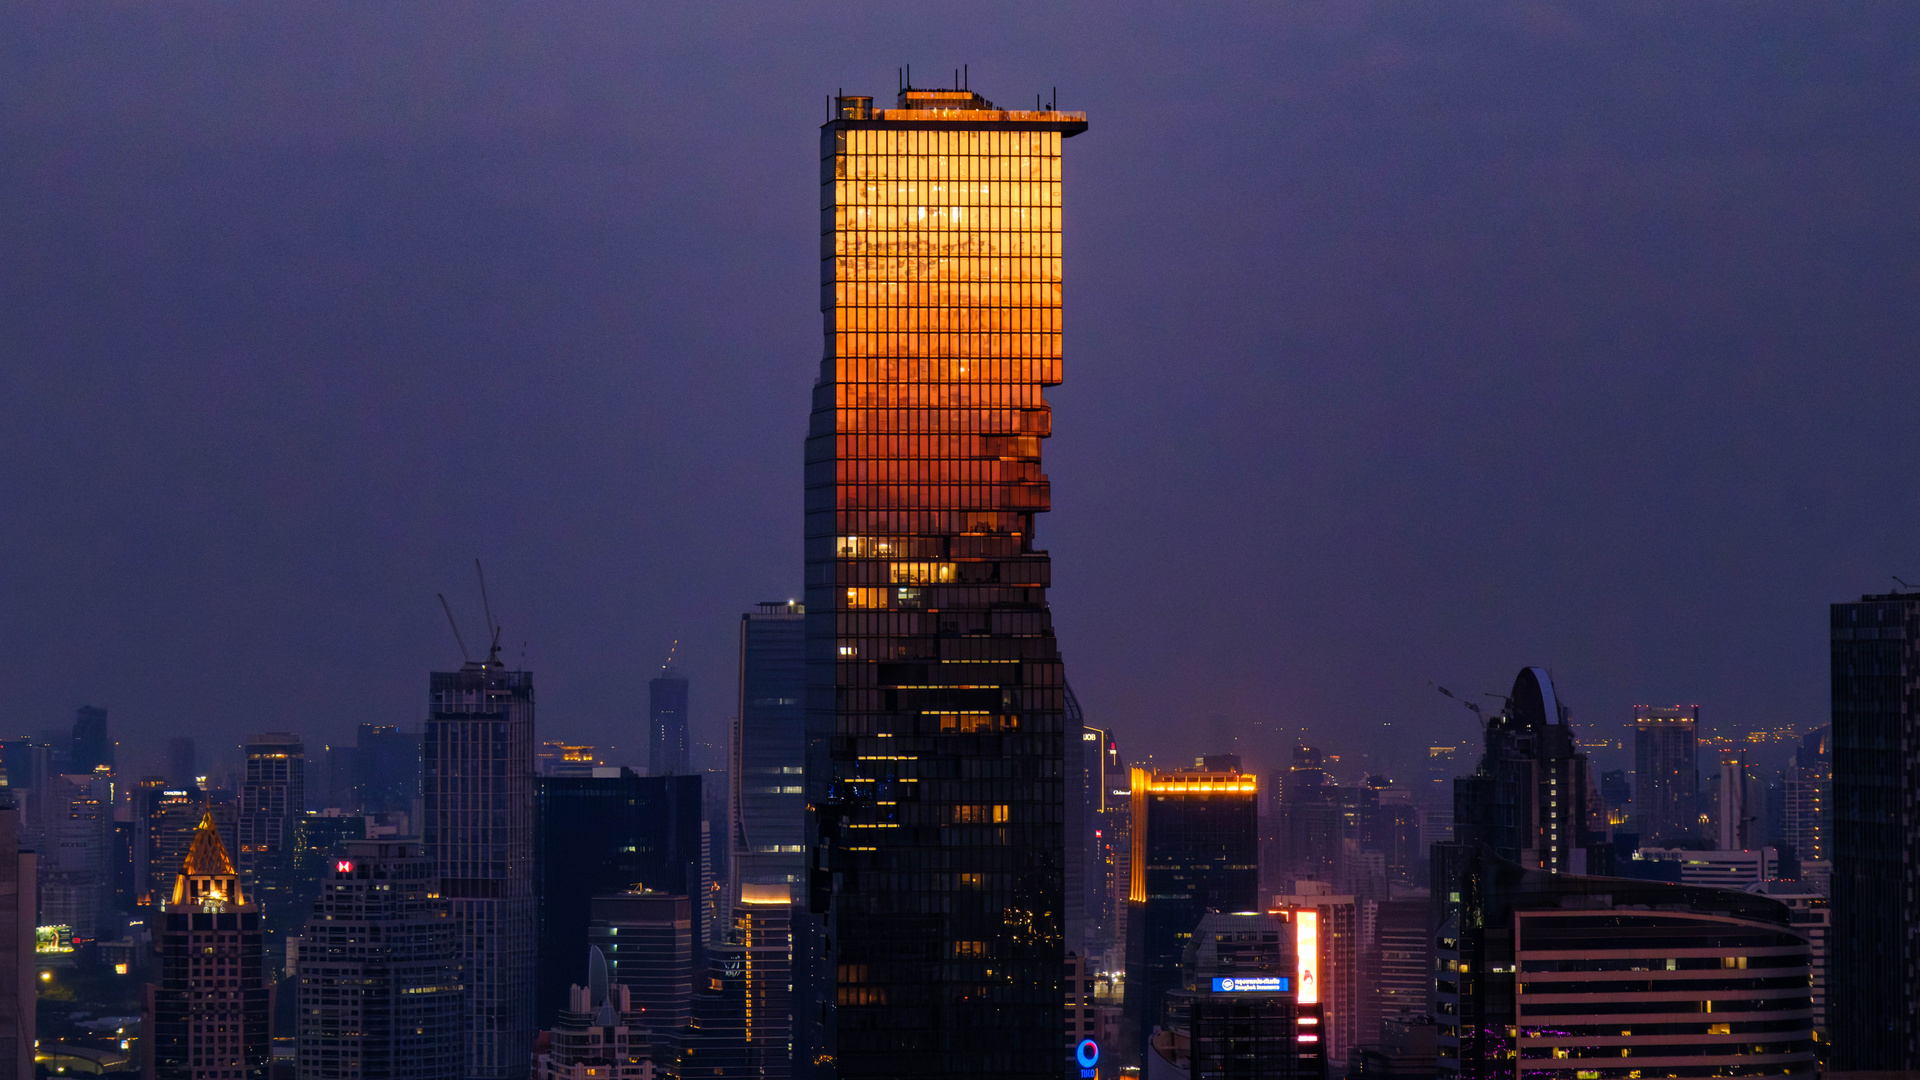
478, 788
935, 694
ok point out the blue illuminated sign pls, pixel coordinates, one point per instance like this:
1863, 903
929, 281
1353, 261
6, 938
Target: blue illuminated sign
1087, 1053
1271, 984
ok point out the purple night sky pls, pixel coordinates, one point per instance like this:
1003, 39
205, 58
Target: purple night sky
1406, 341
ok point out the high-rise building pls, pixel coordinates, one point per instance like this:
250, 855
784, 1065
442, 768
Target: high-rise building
207, 1017
1666, 774
1237, 1015
1403, 964
92, 744
763, 929
669, 753
378, 978
478, 790
1807, 795
1196, 842
599, 1034
182, 762
936, 696
1593, 957
769, 803
1875, 958
602, 834
1093, 760
18, 989
165, 822
647, 939
1812, 917
76, 834
1341, 993
386, 769
273, 797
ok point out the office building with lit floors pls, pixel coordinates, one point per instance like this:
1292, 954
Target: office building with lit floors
378, 979
207, 1017
1570, 977
1666, 793
1196, 842
935, 692
477, 782
647, 940
1873, 950
767, 838
272, 802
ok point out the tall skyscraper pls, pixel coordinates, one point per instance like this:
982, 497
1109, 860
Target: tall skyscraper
92, 744
207, 1017
76, 834
763, 932
165, 820
668, 751
273, 798
603, 834
1807, 792
378, 978
1666, 785
478, 788
1874, 955
1196, 843
936, 698
386, 768
769, 801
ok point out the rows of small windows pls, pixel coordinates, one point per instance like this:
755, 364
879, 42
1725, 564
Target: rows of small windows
961, 197
926, 254
940, 169
944, 395
976, 421
970, 220
923, 470
1781, 1048
1009, 144
922, 293
1795, 958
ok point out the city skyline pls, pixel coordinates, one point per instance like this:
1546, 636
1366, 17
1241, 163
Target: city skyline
1353, 408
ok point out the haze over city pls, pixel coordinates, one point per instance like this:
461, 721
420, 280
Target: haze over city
1406, 343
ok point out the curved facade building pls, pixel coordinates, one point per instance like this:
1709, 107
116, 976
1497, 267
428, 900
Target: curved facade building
1587, 978
935, 694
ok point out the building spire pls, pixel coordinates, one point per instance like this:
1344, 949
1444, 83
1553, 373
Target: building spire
207, 876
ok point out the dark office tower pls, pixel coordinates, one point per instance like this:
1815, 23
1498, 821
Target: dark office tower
1666, 809
1403, 964
18, 990
1196, 838
165, 823
207, 1017
602, 834
769, 801
647, 938
181, 762
1874, 954
936, 699
378, 978
92, 746
763, 932
668, 749
386, 764
1674, 979
1527, 801
1089, 877
1807, 795
478, 788
273, 798
1238, 1014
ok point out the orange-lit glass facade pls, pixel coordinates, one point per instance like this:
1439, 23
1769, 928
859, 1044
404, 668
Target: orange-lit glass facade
935, 691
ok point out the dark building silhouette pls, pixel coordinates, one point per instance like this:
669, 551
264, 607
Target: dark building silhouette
272, 802
477, 784
386, 768
599, 1033
379, 976
19, 990
1873, 952
769, 803
1666, 797
604, 834
182, 762
1527, 800
936, 697
207, 1018
1620, 976
647, 939
92, 744
669, 753
1196, 842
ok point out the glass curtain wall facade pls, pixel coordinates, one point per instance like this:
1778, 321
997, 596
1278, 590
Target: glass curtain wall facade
1666, 774
936, 699
769, 802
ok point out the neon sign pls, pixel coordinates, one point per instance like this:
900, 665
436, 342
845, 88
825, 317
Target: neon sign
1244, 984
344, 866
1306, 944
1087, 1055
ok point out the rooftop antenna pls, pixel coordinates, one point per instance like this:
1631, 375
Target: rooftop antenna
455, 626
1902, 584
675, 648
966, 78
493, 628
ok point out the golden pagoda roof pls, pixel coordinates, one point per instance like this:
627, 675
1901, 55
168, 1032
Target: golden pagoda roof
208, 856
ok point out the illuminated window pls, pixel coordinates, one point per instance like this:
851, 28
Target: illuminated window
866, 598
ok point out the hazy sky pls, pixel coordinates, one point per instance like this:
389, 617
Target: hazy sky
1406, 342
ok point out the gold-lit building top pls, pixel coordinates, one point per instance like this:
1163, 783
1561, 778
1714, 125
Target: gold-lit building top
207, 877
